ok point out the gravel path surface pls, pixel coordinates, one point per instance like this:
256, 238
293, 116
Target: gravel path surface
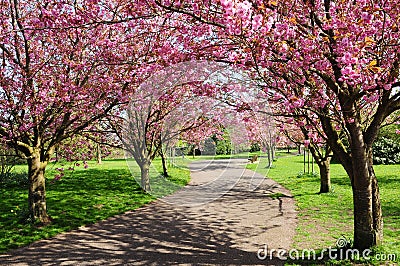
223, 217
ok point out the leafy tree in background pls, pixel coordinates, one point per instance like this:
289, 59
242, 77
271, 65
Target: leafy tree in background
223, 145
386, 149
255, 147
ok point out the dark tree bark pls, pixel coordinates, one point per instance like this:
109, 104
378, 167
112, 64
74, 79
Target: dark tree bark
368, 221
368, 229
323, 160
325, 175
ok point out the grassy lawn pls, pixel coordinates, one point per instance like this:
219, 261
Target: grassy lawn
326, 217
82, 196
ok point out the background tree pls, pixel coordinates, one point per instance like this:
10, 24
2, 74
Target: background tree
386, 150
223, 145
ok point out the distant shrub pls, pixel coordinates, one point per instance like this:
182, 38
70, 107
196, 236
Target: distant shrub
386, 151
255, 147
13, 179
8, 160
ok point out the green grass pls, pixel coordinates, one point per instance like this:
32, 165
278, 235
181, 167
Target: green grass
81, 197
323, 218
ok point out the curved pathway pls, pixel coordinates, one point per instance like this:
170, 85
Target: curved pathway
223, 217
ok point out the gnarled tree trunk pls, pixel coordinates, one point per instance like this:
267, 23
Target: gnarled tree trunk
37, 189
377, 211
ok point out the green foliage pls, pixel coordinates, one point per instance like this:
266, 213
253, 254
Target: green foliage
386, 151
81, 197
223, 145
255, 147
209, 147
389, 132
8, 160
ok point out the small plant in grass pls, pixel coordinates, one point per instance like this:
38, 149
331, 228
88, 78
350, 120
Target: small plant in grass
303, 174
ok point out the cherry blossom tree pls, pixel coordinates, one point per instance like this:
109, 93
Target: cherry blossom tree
332, 58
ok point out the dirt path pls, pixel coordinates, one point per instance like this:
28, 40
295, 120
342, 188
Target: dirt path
223, 217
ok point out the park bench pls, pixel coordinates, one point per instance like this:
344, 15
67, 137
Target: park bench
253, 159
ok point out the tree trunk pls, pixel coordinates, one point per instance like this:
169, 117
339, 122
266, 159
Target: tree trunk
377, 211
164, 164
145, 176
356, 160
273, 149
269, 151
368, 224
376, 200
325, 175
37, 190
98, 154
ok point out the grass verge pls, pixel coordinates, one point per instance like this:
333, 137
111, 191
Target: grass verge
81, 197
